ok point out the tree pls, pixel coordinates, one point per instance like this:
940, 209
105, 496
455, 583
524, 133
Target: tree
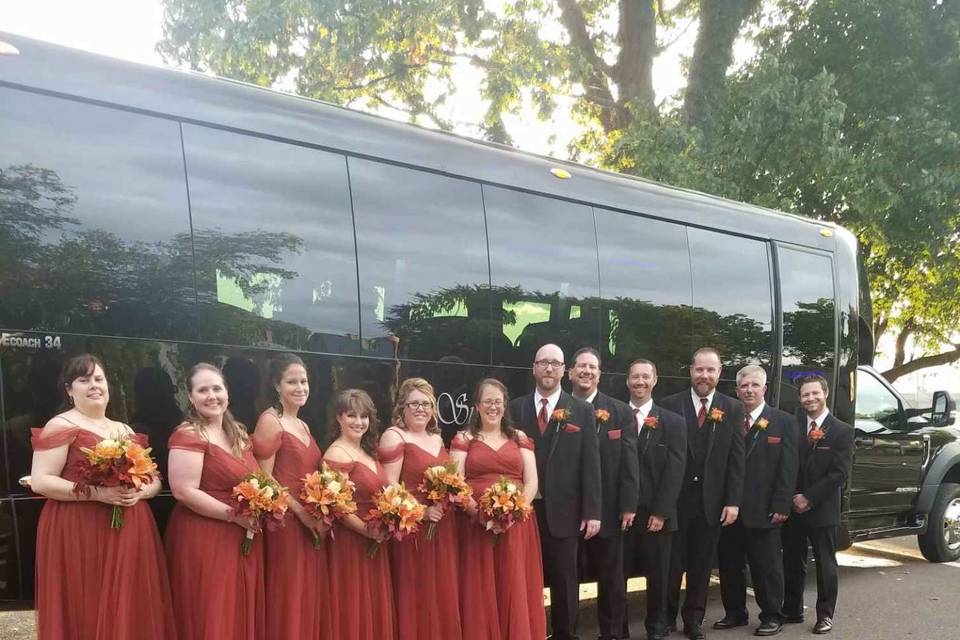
847, 112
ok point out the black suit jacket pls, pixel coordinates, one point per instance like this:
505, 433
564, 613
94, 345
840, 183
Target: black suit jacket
662, 453
619, 470
824, 469
723, 467
771, 461
568, 462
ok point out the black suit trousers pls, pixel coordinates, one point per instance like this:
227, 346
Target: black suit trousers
797, 538
761, 548
560, 569
693, 551
651, 551
605, 556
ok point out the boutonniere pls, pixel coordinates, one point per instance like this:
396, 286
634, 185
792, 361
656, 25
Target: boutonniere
602, 415
816, 435
651, 422
762, 424
560, 416
715, 415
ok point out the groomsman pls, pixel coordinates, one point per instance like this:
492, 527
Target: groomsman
826, 455
564, 433
712, 485
769, 480
662, 454
619, 474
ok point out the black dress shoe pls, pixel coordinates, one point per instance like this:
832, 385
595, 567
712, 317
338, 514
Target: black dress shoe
694, 633
768, 629
824, 625
727, 622
793, 619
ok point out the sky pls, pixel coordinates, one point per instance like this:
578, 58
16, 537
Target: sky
130, 29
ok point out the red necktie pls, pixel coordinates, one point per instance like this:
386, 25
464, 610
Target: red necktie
746, 425
636, 419
542, 416
702, 415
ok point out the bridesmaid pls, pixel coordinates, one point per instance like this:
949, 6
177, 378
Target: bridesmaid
361, 595
296, 571
94, 582
217, 591
424, 571
501, 591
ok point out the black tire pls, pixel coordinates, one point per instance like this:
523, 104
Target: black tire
941, 541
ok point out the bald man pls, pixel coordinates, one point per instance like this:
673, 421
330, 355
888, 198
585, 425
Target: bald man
568, 505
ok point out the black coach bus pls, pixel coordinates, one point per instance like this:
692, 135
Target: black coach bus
159, 218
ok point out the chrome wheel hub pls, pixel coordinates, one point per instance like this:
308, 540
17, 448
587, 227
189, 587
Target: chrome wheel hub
951, 525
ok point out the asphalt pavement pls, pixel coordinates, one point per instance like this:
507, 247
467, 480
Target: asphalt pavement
887, 592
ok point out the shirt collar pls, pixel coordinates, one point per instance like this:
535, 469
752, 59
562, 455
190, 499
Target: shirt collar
593, 395
644, 409
696, 398
755, 414
552, 400
819, 419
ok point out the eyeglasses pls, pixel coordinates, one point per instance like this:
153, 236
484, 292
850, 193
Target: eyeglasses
549, 364
424, 404
492, 403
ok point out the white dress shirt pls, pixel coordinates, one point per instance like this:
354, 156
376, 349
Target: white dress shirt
819, 420
641, 413
552, 400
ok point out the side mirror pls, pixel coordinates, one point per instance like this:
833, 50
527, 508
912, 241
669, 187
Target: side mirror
943, 407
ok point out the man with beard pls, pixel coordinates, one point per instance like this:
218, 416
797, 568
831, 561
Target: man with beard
662, 454
619, 473
826, 455
770, 476
712, 485
564, 432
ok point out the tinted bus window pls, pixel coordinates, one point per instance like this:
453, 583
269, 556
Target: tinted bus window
273, 236
646, 290
424, 276
809, 322
94, 225
543, 266
732, 299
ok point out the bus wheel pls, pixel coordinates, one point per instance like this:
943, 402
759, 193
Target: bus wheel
941, 542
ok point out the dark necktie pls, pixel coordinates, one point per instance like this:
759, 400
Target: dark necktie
636, 419
746, 424
542, 416
702, 415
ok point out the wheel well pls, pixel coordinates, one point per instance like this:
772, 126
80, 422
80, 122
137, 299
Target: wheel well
953, 475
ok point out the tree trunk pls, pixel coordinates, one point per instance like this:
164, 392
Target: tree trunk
917, 364
901, 344
720, 23
638, 48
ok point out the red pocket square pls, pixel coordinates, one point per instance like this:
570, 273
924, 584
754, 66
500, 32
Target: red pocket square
773, 439
614, 434
571, 428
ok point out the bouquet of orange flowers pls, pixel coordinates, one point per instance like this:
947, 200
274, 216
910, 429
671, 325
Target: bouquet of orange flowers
116, 462
327, 495
261, 498
443, 484
502, 505
395, 514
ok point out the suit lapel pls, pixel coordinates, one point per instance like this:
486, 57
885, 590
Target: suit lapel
712, 425
690, 417
754, 434
563, 402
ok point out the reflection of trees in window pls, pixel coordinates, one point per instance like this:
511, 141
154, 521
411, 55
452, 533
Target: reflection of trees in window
808, 335
93, 281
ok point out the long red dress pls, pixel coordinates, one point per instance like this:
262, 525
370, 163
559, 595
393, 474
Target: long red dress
501, 585
217, 592
94, 582
425, 572
296, 571
361, 595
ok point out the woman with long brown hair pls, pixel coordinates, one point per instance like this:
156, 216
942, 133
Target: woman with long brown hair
218, 592
361, 594
501, 585
296, 569
93, 581
424, 571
